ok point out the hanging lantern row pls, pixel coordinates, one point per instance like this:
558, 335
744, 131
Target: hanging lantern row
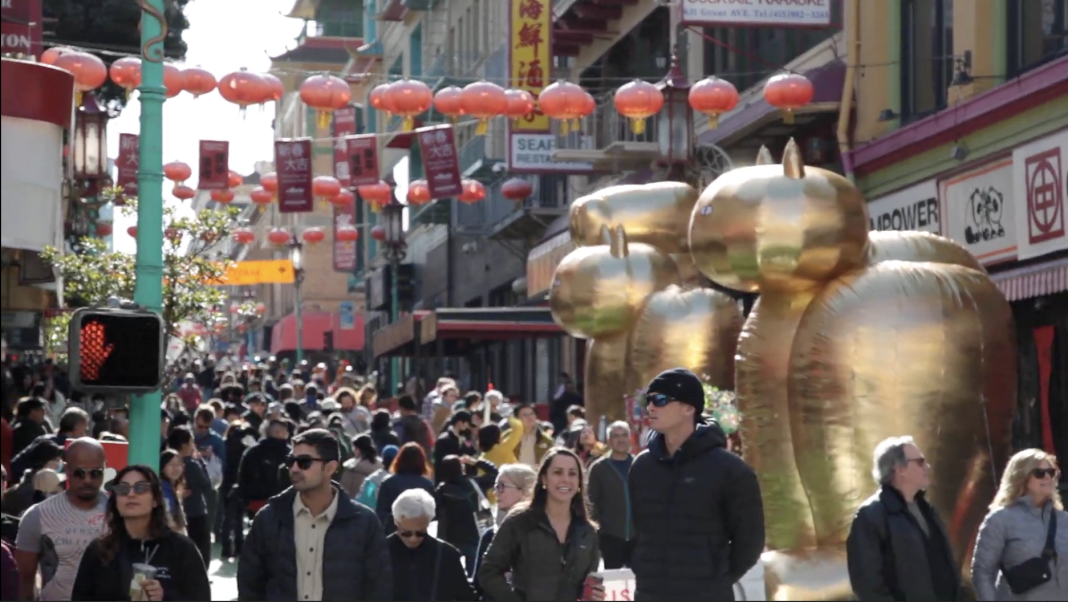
325, 93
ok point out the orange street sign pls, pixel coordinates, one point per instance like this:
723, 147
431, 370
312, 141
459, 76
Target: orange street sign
248, 273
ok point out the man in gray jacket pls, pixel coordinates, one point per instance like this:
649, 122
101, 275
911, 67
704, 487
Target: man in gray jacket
609, 491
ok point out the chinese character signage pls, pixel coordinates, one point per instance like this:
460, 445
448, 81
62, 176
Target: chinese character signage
292, 161
128, 160
21, 28
752, 13
1040, 195
530, 55
214, 165
345, 251
363, 160
344, 126
437, 145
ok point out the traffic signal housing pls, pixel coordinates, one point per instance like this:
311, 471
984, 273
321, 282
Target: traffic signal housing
116, 350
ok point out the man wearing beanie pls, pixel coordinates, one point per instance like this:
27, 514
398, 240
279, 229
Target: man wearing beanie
697, 507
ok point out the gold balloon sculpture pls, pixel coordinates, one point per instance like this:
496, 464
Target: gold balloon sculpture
857, 336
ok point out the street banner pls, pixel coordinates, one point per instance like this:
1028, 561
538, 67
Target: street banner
344, 126
292, 161
128, 160
437, 145
363, 159
345, 251
22, 27
214, 165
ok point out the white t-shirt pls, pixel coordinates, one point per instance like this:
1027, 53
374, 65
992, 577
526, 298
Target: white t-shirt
59, 532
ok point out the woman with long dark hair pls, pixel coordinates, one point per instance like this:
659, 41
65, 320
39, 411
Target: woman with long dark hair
410, 469
549, 545
201, 496
172, 477
140, 557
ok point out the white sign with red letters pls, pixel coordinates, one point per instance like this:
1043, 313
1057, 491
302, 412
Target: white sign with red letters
1040, 191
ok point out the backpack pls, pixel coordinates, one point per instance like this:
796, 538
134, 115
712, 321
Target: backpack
368, 494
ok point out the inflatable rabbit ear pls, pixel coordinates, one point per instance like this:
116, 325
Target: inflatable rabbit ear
793, 164
764, 156
616, 239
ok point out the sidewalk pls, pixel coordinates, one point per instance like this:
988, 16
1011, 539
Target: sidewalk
223, 576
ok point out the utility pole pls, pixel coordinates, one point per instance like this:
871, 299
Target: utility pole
148, 290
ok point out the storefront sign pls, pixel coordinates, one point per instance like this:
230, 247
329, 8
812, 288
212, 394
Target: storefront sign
1040, 191
977, 211
214, 165
128, 160
778, 13
22, 27
914, 208
533, 153
292, 160
438, 147
344, 125
530, 55
363, 160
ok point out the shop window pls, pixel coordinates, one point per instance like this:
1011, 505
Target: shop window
1037, 33
926, 56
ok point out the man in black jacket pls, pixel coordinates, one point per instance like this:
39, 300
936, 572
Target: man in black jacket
312, 542
697, 507
258, 474
455, 440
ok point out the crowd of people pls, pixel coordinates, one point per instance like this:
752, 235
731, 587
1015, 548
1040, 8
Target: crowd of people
319, 490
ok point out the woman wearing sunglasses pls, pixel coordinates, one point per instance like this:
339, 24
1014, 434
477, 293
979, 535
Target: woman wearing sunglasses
424, 567
515, 485
140, 556
1022, 550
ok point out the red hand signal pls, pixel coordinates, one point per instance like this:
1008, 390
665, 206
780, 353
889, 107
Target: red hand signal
95, 350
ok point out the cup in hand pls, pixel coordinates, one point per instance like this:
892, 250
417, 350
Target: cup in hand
141, 573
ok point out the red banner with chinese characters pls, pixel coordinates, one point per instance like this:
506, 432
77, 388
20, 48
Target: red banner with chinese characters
127, 162
21, 28
214, 165
344, 251
437, 145
363, 160
344, 126
292, 163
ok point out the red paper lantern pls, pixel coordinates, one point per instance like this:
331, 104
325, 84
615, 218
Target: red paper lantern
261, 196
447, 102
173, 80
343, 199
48, 57
183, 192
483, 100
517, 189
132, 231
713, 97
376, 194
244, 236
88, 70
199, 81
126, 73
177, 172
587, 105
234, 179
104, 229
243, 88
471, 191
223, 196
275, 89
520, 104
638, 101
788, 92
378, 233
326, 94
418, 192
313, 236
347, 234
279, 237
269, 181
261, 308
326, 187
379, 98
564, 102
409, 98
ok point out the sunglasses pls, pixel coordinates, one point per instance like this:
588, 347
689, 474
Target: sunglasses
124, 489
93, 473
500, 487
303, 462
1041, 473
412, 534
921, 462
658, 399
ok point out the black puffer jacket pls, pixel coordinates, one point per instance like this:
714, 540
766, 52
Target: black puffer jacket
699, 517
258, 477
356, 562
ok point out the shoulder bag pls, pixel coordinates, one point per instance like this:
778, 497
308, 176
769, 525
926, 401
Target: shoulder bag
1036, 571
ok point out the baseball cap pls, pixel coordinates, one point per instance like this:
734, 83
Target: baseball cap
681, 385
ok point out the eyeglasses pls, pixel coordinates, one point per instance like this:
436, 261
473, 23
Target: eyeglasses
124, 489
412, 534
94, 474
658, 399
921, 461
1041, 473
500, 487
303, 462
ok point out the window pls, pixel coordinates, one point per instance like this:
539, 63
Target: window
926, 56
1037, 33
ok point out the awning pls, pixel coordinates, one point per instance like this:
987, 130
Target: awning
1033, 281
314, 326
459, 328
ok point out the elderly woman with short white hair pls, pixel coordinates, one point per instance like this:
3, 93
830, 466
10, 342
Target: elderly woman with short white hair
424, 567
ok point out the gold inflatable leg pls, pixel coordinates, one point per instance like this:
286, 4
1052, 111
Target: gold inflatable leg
606, 360
807, 575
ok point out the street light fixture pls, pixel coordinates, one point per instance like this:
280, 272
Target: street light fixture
675, 127
296, 256
90, 140
395, 249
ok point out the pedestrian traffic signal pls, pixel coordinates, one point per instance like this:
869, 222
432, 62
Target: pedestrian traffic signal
116, 350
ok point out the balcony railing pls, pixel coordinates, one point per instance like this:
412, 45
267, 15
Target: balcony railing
604, 137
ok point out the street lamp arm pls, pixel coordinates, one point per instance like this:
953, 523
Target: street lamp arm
149, 49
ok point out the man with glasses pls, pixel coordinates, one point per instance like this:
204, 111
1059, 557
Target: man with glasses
54, 534
312, 542
697, 507
897, 547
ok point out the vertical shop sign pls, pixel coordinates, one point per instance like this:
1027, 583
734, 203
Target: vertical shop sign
437, 145
1040, 190
529, 68
292, 160
128, 160
214, 165
344, 126
363, 159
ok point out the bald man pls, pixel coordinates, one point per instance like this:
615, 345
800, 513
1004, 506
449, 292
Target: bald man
54, 534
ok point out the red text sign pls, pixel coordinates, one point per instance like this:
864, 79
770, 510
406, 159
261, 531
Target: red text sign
128, 160
292, 162
20, 32
438, 148
363, 160
214, 165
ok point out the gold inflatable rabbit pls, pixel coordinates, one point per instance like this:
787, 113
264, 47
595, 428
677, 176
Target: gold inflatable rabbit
856, 337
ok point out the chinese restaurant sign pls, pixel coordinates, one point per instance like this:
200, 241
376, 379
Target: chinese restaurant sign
292, 161
775, 13
344, 126
22, 27
530, 55
437, 145
214, 165
128, 160
363, 160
